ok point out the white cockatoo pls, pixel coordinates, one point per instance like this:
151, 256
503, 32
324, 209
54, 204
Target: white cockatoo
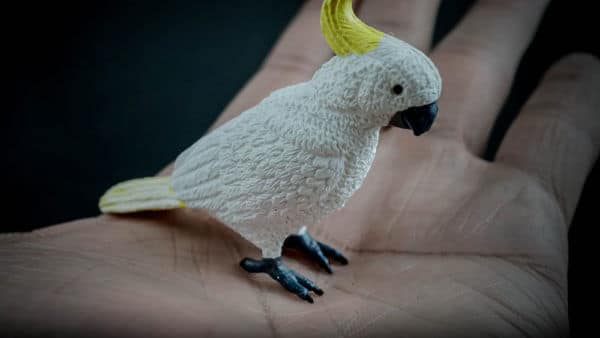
302, 152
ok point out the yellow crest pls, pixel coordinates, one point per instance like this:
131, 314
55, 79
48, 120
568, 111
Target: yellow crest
344, 32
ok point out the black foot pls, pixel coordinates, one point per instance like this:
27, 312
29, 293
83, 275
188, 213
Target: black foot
288, 278
315, 250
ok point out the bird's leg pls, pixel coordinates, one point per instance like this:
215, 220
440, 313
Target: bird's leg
288, 278
318, 251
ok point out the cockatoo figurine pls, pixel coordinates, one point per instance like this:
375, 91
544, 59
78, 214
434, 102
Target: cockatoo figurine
302, 152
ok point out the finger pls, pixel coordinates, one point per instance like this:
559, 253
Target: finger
300, 50
478, 61
556, 136
409, 20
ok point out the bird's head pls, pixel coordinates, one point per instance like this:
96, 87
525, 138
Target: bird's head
376, 77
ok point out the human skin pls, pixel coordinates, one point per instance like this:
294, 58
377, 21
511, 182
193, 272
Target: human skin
440, 242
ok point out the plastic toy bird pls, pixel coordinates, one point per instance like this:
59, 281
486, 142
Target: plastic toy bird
302, 152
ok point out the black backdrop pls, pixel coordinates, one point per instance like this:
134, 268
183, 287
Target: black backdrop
105, 91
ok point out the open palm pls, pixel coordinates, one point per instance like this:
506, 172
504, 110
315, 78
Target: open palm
440, 242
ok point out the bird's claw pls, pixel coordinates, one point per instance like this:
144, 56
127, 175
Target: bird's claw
320, 252
288, 278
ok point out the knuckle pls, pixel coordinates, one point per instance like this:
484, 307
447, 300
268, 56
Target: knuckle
470, 47
573, 80
478, 53
576, 67
565, 103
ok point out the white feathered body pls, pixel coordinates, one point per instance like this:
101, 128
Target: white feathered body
284, 164
298, 155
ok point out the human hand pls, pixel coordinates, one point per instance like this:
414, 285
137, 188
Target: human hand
439, 241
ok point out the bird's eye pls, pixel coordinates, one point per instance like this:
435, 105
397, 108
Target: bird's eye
397, 89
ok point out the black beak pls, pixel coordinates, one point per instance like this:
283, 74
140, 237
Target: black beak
418, 119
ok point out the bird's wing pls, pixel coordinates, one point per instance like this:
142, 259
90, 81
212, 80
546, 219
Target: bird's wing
331, 176
198, 174
282, 184
220, 169
242, 169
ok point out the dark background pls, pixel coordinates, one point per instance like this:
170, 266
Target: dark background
100, 92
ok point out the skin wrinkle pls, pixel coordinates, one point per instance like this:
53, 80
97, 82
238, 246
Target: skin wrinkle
346, 327
149, 250
79, 276
467, 200
117, 261
207, 254
539, 305
534, 299
350, 326
546, 278
468, 213
554, 165
498, 208
422, 175
495, 300
463, 292
370, 298
337, 326
558, 307
268, 314
49, 295
534, 180
510, 321
543, 229
535, 119
198, 270
372, 321
195, 261
537, 302
174, 249
138, 241
300, 316
550, 278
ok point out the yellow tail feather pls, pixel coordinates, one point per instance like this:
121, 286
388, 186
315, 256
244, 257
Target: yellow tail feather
149, 193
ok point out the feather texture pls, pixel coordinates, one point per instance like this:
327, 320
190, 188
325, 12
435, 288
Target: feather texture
272, 169
150, 193
298, 155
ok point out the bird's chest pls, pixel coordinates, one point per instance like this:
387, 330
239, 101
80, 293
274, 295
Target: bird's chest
357, 163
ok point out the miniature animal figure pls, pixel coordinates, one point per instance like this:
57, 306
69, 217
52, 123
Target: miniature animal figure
302, 152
